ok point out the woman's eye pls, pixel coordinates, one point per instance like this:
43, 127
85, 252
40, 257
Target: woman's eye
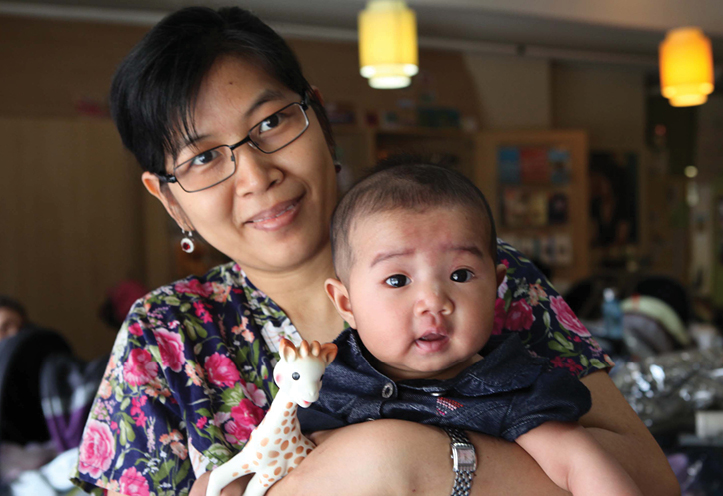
397, 281
269, 123
205, 158
462, 275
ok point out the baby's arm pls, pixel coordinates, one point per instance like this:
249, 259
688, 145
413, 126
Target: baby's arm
575, 461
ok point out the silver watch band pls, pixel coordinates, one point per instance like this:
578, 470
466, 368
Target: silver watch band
464, 461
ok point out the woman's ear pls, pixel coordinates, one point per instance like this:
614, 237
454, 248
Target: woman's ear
501, 273
165, 196
339, 296
317, 94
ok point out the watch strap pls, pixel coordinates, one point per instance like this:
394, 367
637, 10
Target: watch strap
464, 461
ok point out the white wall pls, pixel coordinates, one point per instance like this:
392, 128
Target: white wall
513, 92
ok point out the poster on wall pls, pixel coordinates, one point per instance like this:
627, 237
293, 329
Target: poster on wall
613, 198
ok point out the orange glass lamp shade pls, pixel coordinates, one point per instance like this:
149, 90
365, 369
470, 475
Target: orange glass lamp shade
388, 52
686, 67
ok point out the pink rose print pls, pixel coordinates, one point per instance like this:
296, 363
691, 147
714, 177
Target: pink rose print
500, 316
133, 482
519, 316
97, 449
140, 368
221, 371
135, 329
171, 348
244, 419
566, 317
137, 403
194, 287
256, 395
201, 422
202, 313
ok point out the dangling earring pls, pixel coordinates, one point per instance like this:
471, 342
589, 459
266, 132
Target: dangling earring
187, 244
337, 167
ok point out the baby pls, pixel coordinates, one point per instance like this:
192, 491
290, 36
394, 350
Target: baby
415, 252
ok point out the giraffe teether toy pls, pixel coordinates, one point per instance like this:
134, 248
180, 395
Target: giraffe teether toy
277, 446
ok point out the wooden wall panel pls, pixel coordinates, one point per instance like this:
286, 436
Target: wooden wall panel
70, 223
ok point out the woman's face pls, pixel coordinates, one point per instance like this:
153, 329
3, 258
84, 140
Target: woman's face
273, 213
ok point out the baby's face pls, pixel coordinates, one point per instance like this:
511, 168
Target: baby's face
422, 289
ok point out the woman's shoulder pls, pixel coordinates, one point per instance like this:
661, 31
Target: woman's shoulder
219, 285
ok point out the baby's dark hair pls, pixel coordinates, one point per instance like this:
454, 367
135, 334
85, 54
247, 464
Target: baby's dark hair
404, 182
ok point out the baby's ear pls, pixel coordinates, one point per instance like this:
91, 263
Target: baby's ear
339, 296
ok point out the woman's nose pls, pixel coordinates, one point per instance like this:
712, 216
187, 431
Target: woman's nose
435, 300
255, 172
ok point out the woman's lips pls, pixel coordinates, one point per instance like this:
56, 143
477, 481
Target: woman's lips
276, 217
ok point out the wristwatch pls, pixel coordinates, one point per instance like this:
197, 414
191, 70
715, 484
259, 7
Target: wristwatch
464, 461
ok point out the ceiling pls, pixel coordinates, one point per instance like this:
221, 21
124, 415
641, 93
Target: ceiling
624, 31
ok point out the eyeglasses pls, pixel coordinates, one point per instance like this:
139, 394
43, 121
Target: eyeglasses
209, 168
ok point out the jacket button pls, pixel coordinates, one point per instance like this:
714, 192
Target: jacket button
387, 390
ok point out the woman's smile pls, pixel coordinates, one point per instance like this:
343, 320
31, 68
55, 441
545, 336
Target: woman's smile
276, 217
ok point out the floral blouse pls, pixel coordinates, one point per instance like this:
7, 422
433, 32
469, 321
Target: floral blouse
190, 375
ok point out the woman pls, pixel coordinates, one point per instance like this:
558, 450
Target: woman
235, 144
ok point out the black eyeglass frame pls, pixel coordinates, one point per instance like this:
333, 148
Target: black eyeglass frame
303, 104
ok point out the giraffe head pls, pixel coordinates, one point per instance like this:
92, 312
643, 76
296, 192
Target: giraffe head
300, 370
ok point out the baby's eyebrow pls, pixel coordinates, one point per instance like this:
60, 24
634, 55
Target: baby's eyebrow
386, 255
468, 248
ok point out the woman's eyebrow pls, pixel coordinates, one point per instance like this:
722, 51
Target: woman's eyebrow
265, 96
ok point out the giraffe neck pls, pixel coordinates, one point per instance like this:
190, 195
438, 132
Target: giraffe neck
276, 412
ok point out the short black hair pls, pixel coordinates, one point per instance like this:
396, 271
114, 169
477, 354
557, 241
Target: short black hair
155, 88
14, 305
404, 182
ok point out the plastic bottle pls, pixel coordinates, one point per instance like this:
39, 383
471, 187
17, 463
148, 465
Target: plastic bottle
612, 315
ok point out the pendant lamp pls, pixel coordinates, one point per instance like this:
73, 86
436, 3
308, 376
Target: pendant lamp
388, 44
686, 67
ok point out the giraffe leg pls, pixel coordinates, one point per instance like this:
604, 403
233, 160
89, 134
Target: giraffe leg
256, 486
225, 474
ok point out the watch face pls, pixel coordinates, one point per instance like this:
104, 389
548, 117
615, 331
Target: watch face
466, 457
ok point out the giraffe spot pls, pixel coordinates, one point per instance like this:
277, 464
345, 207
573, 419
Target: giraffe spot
298, 460
259, 455
288, 470
266, 485
285, 445
278, 440
286, 413
299, 449
284, 422
265, 441
277, 471
308, 450
277, 430
288, 455
272, 463
286, 430
289, 405
235, 474
274, 454
245, 466
293, 421
293, 440
256, 462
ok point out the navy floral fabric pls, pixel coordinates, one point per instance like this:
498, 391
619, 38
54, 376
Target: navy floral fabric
189, 376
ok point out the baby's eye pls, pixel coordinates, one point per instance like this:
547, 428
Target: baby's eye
462, 275
397, 281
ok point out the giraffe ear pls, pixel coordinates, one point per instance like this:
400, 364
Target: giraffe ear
328, 353
287, 350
